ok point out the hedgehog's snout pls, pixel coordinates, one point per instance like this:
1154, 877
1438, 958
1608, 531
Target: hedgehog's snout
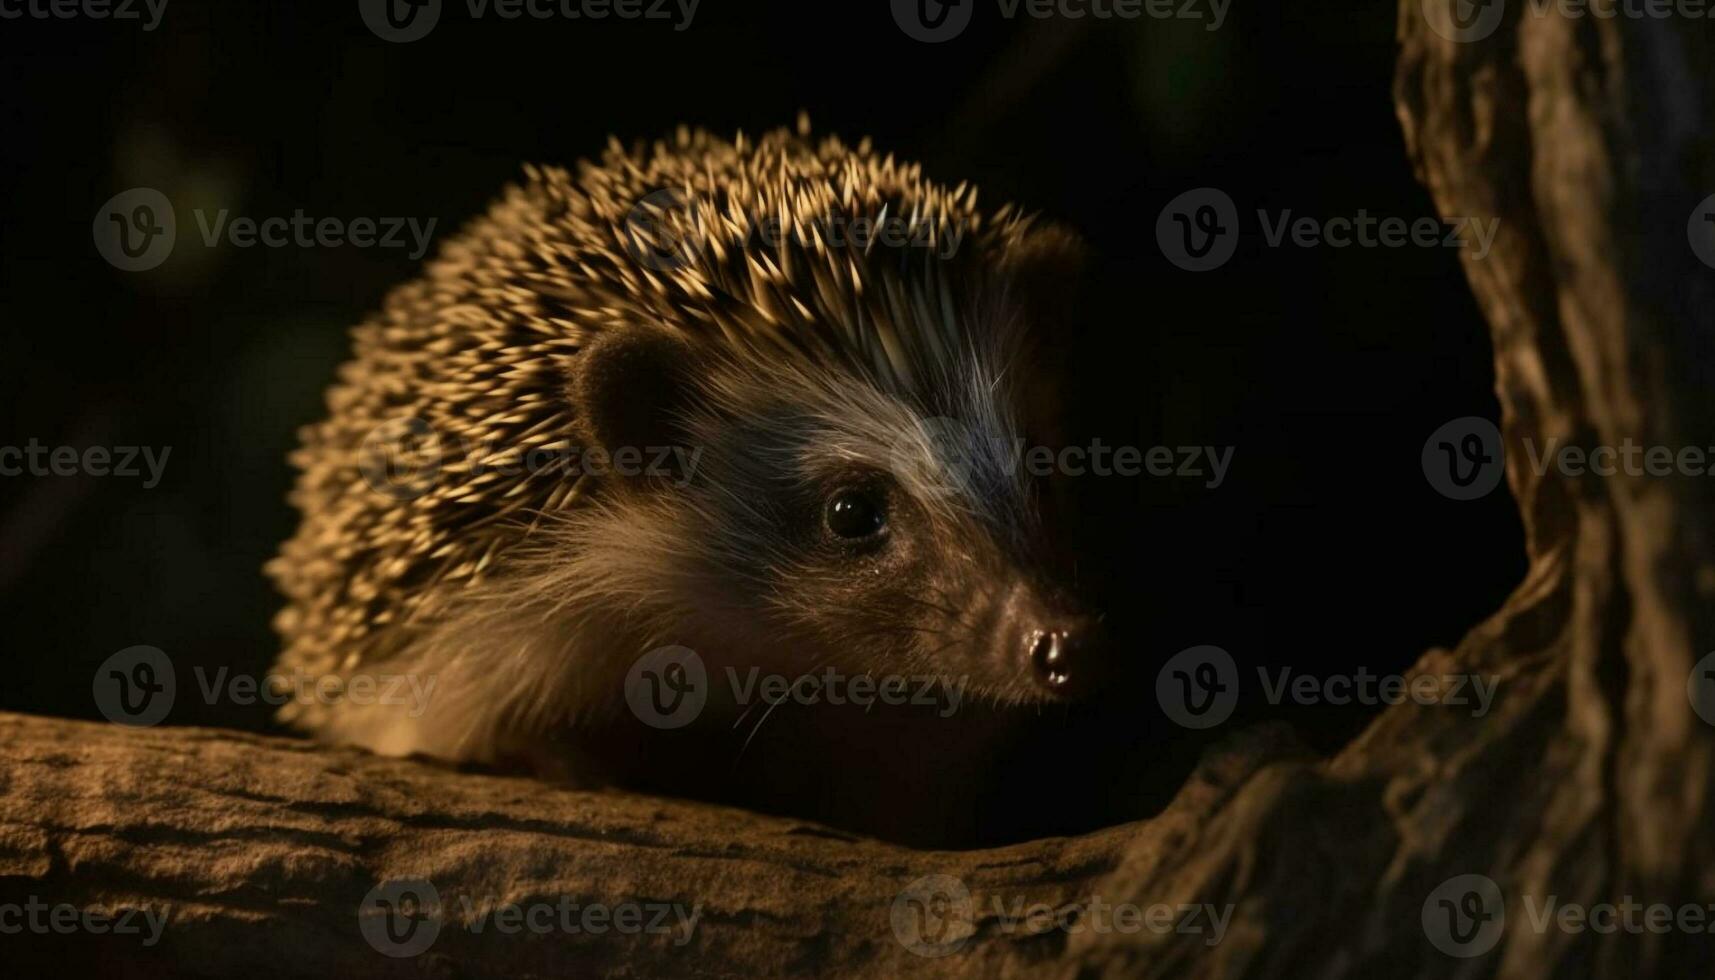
1063, 647
1066, 658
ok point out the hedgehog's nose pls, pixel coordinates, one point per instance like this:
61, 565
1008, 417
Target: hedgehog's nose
1064, 658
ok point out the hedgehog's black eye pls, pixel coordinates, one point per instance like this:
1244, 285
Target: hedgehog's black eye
855, 514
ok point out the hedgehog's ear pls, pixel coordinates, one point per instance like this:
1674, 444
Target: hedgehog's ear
628, 386
1046, 268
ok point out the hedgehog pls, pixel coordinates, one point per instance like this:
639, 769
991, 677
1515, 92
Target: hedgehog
845, 359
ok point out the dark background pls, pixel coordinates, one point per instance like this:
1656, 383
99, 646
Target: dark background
1327, 368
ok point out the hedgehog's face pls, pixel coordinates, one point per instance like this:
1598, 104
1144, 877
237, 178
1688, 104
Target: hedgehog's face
830, 523
887, 542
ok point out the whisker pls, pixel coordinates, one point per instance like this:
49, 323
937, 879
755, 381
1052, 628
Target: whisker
759, 723
764, 719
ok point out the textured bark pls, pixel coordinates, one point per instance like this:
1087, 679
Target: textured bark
1589, 780
260, 853
1590, 139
